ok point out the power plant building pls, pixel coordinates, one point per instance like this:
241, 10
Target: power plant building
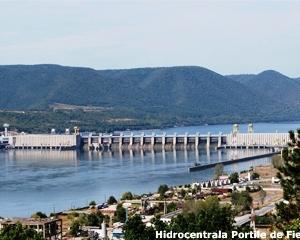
44, 141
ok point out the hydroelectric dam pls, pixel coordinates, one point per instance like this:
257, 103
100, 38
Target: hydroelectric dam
169, 141
131, 141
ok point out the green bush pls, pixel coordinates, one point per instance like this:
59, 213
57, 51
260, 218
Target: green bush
112, 200
127, 196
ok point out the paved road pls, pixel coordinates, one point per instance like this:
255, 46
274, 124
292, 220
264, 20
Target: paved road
172, 214
260, 212
238, 220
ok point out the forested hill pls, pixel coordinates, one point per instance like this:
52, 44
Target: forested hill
273, 85
176, 94
189, 88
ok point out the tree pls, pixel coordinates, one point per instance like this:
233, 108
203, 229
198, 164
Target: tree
93, 219
111, 200
74, 228
162, 190
83, 219
262, 196
120, 213
293, 225
183, 193
212, 216
39, 215
264, 220
92, 203
219, 170
158, 224
127, 196
171, 207
204, 215
234, 177
288, 211
255, 176
241, 200
18, 232
135, 229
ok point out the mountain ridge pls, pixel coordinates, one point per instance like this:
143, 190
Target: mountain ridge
176, 94
272, 84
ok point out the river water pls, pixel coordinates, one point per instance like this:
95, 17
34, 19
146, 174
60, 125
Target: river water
48, 181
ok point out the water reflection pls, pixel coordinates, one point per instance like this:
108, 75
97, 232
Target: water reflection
33, 180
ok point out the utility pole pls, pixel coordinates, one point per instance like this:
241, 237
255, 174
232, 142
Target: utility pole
252, 223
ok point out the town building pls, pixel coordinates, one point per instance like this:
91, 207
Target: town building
50, 229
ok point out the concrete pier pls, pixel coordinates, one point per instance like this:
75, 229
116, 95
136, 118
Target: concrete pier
197, 140
121, 140
100, 140
220, 140
142, 139
131, 140
185, 140
174, 140
152, 139
211, 165
208, 140
163, 140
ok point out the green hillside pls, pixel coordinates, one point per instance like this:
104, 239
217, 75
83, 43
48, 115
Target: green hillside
273, 85
58, 96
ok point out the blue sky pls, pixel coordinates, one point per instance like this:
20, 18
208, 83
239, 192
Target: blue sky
225, 36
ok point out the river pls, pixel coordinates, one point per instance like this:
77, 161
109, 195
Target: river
48, 181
